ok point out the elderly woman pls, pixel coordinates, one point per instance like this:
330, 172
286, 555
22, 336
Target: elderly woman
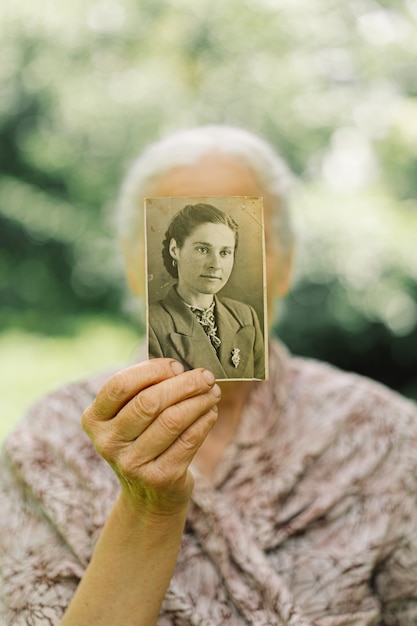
287, 502
191, 324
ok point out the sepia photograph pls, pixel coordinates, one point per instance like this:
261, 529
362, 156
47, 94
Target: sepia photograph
206, 284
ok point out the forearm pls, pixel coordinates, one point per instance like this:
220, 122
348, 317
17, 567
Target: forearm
130, 570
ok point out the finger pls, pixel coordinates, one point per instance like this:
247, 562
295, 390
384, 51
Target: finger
170, 467
173, 464
124, 385
135, 417
172, 423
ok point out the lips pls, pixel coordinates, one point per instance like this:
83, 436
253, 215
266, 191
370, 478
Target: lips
211, 277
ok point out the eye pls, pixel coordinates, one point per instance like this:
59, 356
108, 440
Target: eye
226, 252
202, 249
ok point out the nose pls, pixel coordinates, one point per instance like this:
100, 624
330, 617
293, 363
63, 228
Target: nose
214, 259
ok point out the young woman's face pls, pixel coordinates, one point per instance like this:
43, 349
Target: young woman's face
204, 261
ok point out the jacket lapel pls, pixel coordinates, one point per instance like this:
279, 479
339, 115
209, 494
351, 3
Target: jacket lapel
189, 338
235, 352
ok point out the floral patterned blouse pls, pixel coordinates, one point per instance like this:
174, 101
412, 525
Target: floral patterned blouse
311, 518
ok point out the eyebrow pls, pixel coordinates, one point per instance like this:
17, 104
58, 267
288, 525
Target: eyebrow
209, 245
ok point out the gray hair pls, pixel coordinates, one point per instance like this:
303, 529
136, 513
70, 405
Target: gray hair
186, 147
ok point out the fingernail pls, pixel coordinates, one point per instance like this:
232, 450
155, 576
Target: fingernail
209, 377
177, 368
216, 391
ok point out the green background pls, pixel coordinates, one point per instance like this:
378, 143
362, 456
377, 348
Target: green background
86, 84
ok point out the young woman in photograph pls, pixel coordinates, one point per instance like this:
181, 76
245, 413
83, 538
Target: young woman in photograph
192, 324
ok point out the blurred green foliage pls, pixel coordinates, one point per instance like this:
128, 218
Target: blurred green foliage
354, 302
33, 364
86, 84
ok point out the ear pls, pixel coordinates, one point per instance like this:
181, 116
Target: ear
173, 249
135, 269
279, 272
286, 273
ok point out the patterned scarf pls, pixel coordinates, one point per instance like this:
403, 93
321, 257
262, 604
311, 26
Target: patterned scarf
208, 322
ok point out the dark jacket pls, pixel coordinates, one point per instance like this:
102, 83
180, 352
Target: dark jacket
174, 331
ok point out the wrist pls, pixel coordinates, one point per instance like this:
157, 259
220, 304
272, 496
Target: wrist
142, 516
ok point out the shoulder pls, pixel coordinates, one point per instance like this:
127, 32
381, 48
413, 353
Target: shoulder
157, 309
167, 306
356, 408
49, 446
314, 376
161, 316
242, 311
57, 411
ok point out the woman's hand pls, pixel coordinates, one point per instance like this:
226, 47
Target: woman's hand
147, 422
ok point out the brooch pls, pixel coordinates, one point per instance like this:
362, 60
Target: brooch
235, 358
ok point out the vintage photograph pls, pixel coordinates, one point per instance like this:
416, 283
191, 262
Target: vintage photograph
206, 288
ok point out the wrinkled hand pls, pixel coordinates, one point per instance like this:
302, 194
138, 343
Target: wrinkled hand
147, 422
